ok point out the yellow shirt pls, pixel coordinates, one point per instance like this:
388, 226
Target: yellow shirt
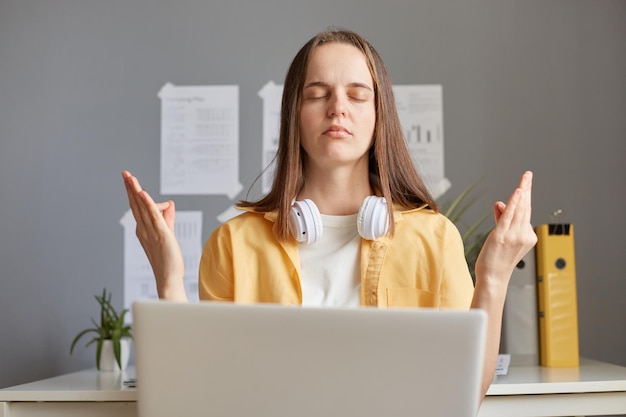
423, 265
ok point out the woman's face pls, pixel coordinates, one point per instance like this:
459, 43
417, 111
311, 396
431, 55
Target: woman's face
337, 114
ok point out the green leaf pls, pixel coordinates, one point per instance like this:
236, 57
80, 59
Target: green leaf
98, 353
452, 210
111, 327
117, 351
79, 335
470, 231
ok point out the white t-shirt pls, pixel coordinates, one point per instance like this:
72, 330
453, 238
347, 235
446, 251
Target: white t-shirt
331, 266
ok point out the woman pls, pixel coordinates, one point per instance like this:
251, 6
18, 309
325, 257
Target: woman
348, 220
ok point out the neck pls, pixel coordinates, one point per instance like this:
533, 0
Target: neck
337, 192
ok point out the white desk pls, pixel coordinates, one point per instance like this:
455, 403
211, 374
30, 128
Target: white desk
595, 388
84, 393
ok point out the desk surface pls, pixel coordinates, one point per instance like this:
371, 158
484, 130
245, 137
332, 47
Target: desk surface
591, 376
87, 385
91, 385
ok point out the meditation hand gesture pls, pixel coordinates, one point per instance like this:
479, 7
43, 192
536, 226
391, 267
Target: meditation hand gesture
512, 237
155, 231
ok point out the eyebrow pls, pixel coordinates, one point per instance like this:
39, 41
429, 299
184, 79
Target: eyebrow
323, 84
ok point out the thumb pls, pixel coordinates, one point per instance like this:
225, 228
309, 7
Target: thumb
169, 214
498, 209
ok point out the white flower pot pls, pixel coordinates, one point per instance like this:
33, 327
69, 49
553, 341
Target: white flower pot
107, 357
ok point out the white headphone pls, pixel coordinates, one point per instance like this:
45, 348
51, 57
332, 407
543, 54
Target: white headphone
305, 221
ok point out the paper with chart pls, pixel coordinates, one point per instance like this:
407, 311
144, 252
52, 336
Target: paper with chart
200, 140
420, 108
139, 280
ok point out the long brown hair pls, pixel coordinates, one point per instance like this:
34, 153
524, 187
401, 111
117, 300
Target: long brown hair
392, 172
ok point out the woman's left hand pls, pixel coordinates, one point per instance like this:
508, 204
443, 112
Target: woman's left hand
512, 237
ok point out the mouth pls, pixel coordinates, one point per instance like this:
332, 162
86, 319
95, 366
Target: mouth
337, 132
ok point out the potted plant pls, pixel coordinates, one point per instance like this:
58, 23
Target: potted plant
112, 336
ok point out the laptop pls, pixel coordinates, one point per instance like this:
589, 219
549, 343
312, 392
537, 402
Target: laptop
224, 359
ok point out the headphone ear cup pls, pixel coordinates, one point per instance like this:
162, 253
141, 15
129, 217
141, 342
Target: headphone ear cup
305, 222
373, 218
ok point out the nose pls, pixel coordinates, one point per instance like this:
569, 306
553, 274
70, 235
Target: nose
336, 106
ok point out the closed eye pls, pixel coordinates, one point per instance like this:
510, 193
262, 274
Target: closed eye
357, 92
315, 92
360, 92
358, 98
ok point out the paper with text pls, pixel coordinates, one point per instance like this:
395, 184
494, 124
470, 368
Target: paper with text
420, 109
502, 366
200, 140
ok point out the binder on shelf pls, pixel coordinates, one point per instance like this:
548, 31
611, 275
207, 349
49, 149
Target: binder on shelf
556, 295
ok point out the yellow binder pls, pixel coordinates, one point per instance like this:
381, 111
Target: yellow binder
556, 295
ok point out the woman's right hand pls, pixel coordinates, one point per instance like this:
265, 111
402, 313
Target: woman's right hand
155, 231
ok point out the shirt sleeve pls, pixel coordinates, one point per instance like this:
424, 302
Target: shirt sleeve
457, 288
215, 278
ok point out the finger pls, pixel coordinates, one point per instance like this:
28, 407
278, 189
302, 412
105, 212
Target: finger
169, 214
132, 189
141, 203
168, 211
144, 207
509, 211
521, 218
526, 180
528, 186
147, 213
151, 214
498, 209
163, 206
520, 215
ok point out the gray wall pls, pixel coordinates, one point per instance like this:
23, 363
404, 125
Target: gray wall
528, 84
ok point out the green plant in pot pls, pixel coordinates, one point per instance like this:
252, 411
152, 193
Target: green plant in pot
111, 327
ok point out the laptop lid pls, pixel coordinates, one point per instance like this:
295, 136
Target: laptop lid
224, 359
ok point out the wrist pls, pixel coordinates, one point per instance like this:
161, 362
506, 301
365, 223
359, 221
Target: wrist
491, 286
172, 291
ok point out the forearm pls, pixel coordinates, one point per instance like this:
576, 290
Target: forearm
490, 297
